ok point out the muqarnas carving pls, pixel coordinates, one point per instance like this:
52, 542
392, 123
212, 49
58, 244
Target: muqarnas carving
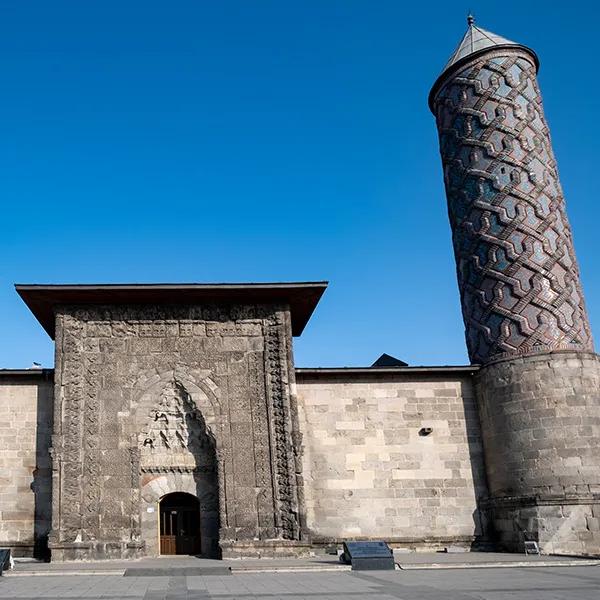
177, 439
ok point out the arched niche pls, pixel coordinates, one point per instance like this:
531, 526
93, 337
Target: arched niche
177, 453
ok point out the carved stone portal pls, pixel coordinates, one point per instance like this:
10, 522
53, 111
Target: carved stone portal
176, 437
177, 441
152, 400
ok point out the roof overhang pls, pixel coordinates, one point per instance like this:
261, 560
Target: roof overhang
20, 374
302, 298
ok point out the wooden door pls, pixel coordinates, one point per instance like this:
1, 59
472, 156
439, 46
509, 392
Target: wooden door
179, 525
168, 544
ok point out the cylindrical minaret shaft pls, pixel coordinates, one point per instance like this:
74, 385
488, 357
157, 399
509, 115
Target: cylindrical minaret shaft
516, 266
525, 318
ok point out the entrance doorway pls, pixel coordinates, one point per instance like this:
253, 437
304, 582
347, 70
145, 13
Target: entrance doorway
179, 524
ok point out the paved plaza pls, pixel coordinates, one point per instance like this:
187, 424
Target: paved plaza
532, 583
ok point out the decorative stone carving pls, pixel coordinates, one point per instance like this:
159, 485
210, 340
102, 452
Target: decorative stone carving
71, 452
521, 296
92, 471
196, 397
176, 438
134, 457
179, 469
284, 461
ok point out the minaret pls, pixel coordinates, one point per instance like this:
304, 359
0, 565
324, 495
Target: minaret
521, 296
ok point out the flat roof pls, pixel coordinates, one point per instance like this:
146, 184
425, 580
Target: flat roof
25, 373
302, 297
320, 371
378, 371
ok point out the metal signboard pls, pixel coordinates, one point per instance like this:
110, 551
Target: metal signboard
368, 556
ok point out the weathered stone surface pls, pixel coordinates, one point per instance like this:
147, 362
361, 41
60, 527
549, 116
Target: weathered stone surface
153, 400
364, 470
521, 296
368, 473
25, 481
540, 418
201, 399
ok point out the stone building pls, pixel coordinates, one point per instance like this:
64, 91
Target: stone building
175, 422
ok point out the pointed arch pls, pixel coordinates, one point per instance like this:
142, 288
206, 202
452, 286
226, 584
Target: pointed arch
175, 435
178, 415
201, 389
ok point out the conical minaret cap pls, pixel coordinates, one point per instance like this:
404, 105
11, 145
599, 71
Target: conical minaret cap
475, 42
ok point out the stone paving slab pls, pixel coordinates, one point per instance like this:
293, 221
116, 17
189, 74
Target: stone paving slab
415, 558
176, 571
180, 565
576, 583
486, 560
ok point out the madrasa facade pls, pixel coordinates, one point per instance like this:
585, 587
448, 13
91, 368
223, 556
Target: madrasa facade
175, 422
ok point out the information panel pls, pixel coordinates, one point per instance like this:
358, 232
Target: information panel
4, 559
368, 556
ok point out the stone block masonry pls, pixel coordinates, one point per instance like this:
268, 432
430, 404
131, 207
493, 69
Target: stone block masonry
191, 388
362, 470
25, 482
522, 299
540, 418
371, 471
152, 400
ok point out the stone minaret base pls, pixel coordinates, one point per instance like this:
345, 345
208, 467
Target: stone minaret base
540, 420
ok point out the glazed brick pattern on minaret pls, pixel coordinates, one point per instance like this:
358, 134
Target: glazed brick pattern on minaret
538, 390
517, 271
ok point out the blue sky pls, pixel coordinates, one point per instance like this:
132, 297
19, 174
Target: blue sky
264, 141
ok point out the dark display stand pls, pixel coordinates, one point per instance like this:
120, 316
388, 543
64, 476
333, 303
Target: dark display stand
368, 556
4, 559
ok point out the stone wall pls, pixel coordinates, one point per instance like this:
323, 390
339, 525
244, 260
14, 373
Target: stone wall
540, 418
173, 398
25, 483
370, 472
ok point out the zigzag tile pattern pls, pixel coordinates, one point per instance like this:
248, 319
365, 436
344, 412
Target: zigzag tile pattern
517, 271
